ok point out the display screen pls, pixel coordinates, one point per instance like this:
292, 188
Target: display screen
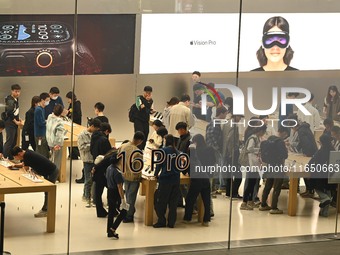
309, 37
33, 32
44, 44
181, 43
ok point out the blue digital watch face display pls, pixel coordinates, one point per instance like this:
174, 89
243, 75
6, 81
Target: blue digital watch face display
45, 44
34, 32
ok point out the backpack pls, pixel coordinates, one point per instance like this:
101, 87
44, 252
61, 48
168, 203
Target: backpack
132, 112
270, 150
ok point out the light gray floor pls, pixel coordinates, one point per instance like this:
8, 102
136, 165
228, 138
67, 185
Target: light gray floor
301, 245
317, 248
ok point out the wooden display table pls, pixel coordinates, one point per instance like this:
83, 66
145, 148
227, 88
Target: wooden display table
77, 129
148, 189
294, 176
67, 143
12, 181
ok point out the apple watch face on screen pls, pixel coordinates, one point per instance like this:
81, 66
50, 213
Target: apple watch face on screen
33, 32
35, 47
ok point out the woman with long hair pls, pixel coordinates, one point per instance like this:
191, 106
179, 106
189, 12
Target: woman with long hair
331, 106
275, 54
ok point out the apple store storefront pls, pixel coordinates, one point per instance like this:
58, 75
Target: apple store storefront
202, 126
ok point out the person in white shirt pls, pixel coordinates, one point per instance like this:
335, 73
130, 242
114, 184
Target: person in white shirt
55, 132
180, 113
155, 140
314, 119
173, 101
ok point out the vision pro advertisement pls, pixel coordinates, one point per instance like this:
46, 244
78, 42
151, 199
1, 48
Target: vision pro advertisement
181, 43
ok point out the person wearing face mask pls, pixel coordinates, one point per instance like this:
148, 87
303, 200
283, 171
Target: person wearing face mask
275, 54
54, 100
40, 125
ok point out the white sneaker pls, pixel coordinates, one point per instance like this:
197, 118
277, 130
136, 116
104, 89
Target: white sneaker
276, 211
265, 208
245, 206
40, 214
205, 224
88, 204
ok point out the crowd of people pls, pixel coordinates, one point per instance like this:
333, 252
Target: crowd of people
43, 135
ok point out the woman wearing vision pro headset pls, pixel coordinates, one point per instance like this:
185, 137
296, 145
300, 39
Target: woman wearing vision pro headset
275, 53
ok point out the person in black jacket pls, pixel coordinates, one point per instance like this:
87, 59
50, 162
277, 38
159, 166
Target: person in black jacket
144, 105
329, 124
74, 108
98, 171
200, 155
319, 180
115, 196
183, 146
27, 135
302, 139
184, 139
275, 180
99, 112
39, 165
54, 100
168, 191
12, 120
74, 111
100, 145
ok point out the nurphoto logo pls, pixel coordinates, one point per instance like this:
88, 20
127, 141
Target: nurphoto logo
239, 103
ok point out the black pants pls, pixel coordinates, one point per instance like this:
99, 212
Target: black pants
167, 195
11, 139
198, 186
236, 178
143, 127
99, 188
249, 190
114, 199
275, 183
52, 177
308, 185
31, 140
75, 152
